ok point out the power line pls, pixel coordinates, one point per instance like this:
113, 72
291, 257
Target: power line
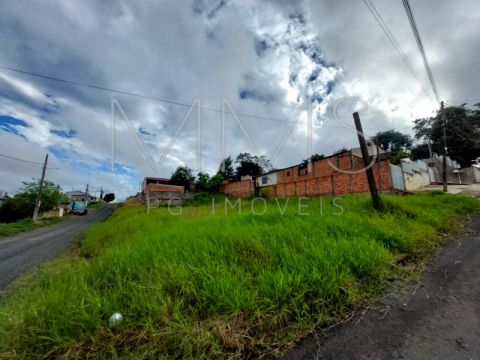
24, 161
102, 88
418, 40
393, 41
115, 91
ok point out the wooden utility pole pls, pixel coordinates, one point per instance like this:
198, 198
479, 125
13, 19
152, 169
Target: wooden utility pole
445, 150
366, 161
85, 203
39, 194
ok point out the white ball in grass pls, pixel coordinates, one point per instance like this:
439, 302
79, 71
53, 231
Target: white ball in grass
115, 319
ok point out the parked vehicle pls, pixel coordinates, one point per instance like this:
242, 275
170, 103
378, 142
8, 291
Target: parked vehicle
77, 208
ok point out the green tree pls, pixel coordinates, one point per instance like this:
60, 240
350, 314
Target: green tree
463, 132
393, 141
23, 203
183, 176
203, 182
226, 170
109, 197
251, 165
216, 182
419, 152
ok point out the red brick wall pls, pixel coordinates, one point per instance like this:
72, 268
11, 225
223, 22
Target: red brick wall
242, 188
319, 181
163, 188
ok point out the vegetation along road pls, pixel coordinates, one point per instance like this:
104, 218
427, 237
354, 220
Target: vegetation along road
214, 282
24, 251
437, 318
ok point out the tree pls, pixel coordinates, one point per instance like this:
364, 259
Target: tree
463, 132
109, 197
393, 141
251, 165
203, 182
183, 176
216, 182
226, 170
420, 152
22, 204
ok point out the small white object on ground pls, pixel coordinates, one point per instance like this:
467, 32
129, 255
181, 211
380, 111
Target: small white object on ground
115, 319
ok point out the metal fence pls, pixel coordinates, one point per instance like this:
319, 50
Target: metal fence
397, 177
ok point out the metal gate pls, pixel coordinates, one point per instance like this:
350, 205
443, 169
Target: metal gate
397, 177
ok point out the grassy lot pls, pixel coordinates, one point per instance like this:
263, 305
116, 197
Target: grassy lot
203, 285
16, 227
96, 204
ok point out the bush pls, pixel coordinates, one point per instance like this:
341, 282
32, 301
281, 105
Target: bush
109, 197
22, 204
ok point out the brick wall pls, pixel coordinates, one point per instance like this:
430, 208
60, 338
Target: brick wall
163, 187
322, 180
242, 188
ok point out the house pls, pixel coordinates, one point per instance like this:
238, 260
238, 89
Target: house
79, 196
161, 191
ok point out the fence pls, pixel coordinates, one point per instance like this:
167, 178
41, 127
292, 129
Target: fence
397, 177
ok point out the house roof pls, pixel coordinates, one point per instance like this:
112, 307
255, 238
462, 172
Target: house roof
77, 193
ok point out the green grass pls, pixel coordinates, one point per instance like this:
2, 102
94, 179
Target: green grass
96, 204
203, 285
9, 229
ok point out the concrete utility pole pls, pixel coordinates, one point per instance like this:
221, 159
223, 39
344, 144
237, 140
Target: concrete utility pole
39, 194
445, 150
366, 161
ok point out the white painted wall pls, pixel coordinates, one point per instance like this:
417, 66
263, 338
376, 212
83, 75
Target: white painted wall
267, 180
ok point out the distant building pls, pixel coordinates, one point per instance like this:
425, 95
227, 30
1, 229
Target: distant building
79, 196
162, 191
332, 175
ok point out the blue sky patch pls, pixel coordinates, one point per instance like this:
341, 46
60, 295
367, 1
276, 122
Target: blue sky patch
68, 135
59, 154
260, 47
11, 124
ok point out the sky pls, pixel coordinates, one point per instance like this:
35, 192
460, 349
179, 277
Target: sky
270, 60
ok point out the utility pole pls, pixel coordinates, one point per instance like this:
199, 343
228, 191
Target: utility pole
85, 203
39, 194
445, 150
366, 161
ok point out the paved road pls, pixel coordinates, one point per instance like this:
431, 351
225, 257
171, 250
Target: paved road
467, 189
435, 319
24, 251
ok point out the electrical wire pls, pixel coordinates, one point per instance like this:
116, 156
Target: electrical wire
418, 40
103, 88
26, 161
388, 33
121, 92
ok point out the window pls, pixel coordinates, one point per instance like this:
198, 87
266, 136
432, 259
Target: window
288, 173
264, 180
303, 171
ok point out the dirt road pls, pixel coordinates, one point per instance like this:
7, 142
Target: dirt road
435, 319
24, 251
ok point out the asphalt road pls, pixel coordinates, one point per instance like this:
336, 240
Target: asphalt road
24, 251
438, 318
